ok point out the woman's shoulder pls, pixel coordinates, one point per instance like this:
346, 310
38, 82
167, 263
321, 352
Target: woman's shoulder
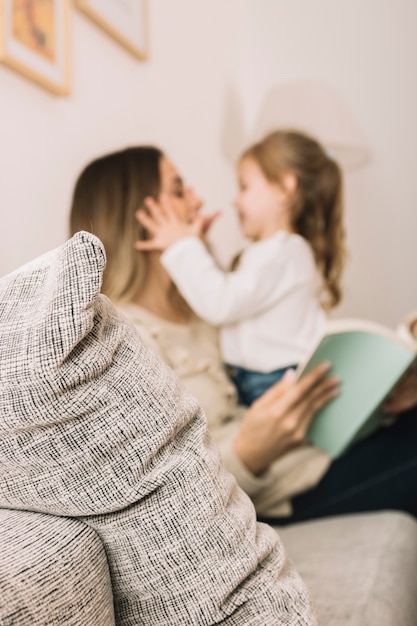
145, 323
142, 317
136, 314
171, 339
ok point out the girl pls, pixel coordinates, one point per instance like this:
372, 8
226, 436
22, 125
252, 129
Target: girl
271, 308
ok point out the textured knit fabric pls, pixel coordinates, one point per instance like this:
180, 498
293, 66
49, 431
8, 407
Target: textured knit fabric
94, 425
192, 351
361, 570
53, 570
268, 308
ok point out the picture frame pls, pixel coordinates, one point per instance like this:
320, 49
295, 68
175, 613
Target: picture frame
35, 40
124, 20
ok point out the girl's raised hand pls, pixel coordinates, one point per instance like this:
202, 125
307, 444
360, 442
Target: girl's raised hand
207, 221
164, 226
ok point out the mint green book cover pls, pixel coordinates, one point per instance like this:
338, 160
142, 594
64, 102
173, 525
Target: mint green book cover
369, 363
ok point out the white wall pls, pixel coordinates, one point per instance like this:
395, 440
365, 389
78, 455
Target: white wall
174, 100
366, 49
210, 65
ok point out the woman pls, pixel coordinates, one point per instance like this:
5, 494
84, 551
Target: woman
264, 447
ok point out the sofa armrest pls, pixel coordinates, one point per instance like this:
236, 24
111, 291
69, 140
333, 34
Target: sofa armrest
53, 570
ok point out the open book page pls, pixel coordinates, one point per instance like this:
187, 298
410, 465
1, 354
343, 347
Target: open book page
369, 359
403, 334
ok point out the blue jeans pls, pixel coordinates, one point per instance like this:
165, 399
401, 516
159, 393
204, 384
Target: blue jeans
379, 472
251, 384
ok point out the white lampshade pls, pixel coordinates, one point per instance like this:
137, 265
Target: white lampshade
316, 108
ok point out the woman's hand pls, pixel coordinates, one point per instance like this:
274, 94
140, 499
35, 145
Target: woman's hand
165, 227
404, 395
279, 419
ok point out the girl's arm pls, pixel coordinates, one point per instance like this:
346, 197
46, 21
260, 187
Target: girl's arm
220, 297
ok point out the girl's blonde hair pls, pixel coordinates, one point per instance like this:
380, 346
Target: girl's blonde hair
106, 196
317, 202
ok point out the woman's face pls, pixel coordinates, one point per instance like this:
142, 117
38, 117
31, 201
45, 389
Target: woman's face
183, 199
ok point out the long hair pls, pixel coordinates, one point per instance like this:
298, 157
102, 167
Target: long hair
106, 196
317, 203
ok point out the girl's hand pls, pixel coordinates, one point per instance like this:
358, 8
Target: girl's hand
164, 225
279, 419
166, 228
404, 395
207, 221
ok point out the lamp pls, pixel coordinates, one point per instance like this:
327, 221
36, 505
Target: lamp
316, 108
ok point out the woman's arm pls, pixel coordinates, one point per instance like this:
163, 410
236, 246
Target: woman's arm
278, 420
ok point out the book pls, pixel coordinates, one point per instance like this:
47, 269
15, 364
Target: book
370, 359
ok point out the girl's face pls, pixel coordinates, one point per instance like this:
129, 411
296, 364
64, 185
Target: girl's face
262, 206
183, 199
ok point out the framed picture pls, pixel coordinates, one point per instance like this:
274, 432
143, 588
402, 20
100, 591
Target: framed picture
34, 40
124, 20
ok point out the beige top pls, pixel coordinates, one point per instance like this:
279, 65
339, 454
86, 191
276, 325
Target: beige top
192, 351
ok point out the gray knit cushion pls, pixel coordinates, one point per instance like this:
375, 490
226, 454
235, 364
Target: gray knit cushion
53, 570
93, 425
361, 569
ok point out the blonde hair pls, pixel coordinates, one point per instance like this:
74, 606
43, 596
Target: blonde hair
317, 202
106, 196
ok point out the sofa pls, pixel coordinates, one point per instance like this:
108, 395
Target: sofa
139, 518
361, 570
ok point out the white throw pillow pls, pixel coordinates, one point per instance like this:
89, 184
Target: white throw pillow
94, 425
